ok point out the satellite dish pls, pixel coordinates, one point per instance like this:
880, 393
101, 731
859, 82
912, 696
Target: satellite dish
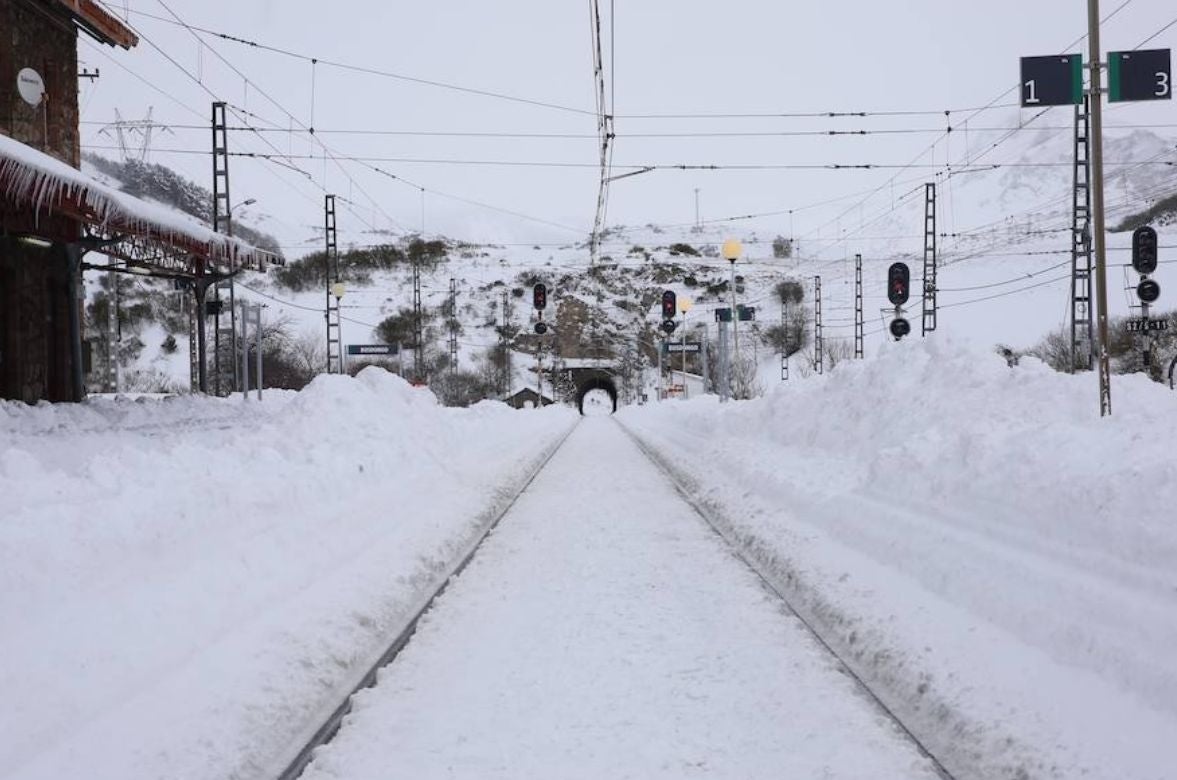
31, 86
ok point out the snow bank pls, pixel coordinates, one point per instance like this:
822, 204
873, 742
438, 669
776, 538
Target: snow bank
188, 584
986, 548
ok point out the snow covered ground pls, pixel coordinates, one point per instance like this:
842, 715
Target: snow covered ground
190, 584
989, 551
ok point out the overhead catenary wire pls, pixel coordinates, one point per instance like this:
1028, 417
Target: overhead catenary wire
328, 153
818, 166
331, 63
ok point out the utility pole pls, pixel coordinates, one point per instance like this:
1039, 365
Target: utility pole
859, 322
418, 324
818, 344
539, 373
929, 313
725, 382
195, 336
698, 222
505, 345
784, 339
1101, 282
251, 313
114, 336
453, 326
331, 269
1081, 322
703, 357
222, 217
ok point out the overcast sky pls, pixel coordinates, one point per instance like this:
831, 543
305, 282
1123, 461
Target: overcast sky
671, 57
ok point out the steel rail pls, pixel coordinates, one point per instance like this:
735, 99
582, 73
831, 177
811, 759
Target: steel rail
330, 727
767, 581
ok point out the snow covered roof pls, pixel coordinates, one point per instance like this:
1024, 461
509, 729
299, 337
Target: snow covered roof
31, 179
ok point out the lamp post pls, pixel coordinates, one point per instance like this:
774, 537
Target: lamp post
233, 300
684, 306
731, 252
338, 290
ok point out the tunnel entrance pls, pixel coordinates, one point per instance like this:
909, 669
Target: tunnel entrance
596, 383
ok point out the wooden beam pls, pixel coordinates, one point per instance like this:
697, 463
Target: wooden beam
100, 24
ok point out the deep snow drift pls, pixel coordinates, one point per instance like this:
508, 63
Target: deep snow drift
188, 584
990, 552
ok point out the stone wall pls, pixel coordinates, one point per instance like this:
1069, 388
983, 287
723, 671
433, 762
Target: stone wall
35, 35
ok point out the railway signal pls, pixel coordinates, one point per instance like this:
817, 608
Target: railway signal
1148, 291
539, 296
898, 283
898, 290
1144, 250
1144, 261
669, 304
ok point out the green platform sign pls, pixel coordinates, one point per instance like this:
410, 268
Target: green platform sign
1139, 75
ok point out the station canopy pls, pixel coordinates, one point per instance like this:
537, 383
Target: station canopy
145, 235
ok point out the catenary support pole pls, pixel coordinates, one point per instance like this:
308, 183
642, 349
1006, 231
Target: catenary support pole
1097, 212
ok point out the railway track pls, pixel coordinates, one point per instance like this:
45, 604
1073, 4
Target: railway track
332, 725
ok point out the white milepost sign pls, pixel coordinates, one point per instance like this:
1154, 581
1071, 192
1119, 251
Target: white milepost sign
31, 86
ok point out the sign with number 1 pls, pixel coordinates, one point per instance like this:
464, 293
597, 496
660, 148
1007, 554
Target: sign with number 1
1056, 80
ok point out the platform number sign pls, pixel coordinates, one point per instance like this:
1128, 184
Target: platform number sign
1139, 75
1056, 80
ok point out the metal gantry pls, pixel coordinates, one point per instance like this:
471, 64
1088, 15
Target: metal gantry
818, 342
1082, 323
222, 216
331, 274
859, 321
929, 298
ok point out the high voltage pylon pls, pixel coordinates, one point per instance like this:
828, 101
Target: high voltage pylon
859, 321
331, 268
929, 298
818, 342
1082, 324
124, 131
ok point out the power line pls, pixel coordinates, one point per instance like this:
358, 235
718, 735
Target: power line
638, 167
1054, 280
320, 61
1150, 38
585, 136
